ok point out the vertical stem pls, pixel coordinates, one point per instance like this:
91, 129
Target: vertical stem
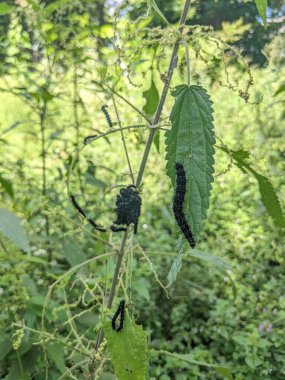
172, 65
77, 125
124, 141
44, 153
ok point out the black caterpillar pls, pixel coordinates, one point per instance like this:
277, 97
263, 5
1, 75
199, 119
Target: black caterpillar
120, 312
88, 139
80, 210
128, 209
178, 201
106, 113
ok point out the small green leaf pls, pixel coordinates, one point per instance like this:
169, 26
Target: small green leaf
7, 186
156, 140
10, 226
5, 8
270, 199
261, 7
268, 195
280, 90
175, 267
55, 353
158, 11
128, 350
152, 99
190, 142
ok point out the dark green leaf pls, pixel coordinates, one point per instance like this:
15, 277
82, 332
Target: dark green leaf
55, 353
156, 140
152, 99
5, 345
190, 142
10, 226
280, 90
7, 186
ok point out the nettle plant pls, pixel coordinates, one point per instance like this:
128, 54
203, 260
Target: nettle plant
190, 149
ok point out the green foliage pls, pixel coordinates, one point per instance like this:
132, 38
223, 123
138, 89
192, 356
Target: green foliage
128, 350
152, 97
10, 226
261, 7
268, 194
190, 142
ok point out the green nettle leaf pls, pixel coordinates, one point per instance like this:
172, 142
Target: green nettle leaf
190, 142
128, 350
261, 7
55, 353
10, 226
152, 99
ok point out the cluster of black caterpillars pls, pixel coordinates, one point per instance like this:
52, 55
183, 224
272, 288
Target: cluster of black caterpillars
128, 209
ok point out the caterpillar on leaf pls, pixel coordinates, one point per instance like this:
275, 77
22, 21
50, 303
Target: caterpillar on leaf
178, 201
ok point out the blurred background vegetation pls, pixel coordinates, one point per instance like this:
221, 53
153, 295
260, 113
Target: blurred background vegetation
61, 61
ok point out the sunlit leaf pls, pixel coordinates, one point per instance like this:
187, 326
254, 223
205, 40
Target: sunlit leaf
128, 350
10, 226
152, 99
5, 8
261, 7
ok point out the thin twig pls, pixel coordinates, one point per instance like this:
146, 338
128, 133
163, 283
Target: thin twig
124, 141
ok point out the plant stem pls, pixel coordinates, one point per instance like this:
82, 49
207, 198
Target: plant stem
124, 141
44, 153
172, 65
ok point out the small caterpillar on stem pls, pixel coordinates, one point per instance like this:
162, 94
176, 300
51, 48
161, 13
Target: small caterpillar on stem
106, 113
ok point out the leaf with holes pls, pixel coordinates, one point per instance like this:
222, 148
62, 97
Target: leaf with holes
128, 350
190, 142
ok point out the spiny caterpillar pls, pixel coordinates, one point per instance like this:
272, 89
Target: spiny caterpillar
88, 139
128, 209
80, 210
106, 113
120, 312
178, 201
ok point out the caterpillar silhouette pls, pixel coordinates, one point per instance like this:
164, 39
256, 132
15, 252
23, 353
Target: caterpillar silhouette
106, 113
81, 211
178, 201
120, 312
